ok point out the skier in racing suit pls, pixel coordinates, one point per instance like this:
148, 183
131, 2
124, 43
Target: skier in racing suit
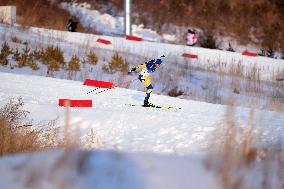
144, 76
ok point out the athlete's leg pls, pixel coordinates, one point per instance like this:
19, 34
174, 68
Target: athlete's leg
149, 87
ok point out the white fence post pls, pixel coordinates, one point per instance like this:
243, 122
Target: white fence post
8, 14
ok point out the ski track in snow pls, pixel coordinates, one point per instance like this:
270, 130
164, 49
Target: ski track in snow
131, 128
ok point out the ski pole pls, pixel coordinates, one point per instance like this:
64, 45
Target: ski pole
100, 87
93, 90
103, 91
126, 82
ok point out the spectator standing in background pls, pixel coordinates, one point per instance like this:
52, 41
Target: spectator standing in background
191, 38
71, 25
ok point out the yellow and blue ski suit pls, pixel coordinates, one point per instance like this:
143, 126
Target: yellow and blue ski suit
144, 76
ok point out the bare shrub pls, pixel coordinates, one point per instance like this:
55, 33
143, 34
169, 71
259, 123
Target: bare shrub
16, 137
33, 65
236, 90
53, 57
25, 58
53, 66
92, 58
19, 135
74, 63
5, 52
16, 40
55, 54
175, 92
15, 140
12, 112
38, 54
235, 155
117, 63
16, 55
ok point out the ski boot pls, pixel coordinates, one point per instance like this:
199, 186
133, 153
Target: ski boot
146, 101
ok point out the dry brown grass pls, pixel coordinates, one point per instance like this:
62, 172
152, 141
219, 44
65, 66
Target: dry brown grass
240, 161
42, 13
18, 135
15, 39
92, 58
237, 19
174, 92
4, 53
74, 63
229, 18
117, 63
15, 135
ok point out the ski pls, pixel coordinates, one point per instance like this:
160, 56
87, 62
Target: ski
153, 106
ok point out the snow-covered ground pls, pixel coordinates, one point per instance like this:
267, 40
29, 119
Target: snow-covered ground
167, 145
134, 129
191, 76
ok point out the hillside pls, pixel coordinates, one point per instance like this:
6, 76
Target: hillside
43, 13
247, 23
215, 76
258, 23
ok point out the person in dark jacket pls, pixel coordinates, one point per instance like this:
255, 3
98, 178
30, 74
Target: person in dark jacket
71, 25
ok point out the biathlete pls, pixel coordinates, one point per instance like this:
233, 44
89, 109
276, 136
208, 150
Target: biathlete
144, 76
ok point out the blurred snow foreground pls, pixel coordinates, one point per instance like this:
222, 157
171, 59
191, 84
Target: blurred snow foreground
103, 169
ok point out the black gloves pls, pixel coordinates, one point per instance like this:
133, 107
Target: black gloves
132, 70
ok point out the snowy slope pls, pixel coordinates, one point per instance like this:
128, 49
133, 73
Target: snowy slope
178, 138
77, 43
133, 129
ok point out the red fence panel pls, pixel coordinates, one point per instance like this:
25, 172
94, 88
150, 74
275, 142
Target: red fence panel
103, 41
97, 83
133, 38
75, 103
247, 53
187, 55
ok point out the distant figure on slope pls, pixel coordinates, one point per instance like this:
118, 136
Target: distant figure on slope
144, 76
191, 38
71, 25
